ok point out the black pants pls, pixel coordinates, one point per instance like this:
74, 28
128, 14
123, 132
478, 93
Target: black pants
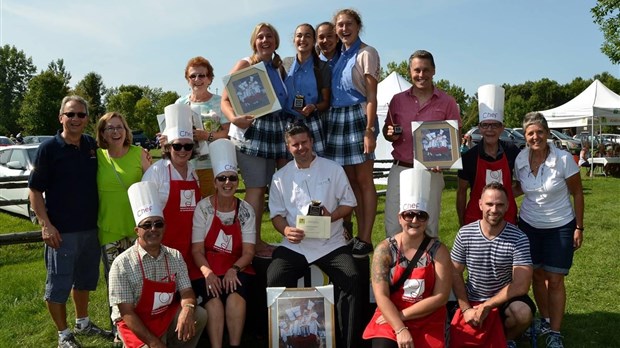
288, 266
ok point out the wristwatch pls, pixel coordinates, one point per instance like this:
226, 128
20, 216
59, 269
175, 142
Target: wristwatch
372, 129
236, 268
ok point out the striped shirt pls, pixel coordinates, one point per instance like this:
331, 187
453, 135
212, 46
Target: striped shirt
489, 262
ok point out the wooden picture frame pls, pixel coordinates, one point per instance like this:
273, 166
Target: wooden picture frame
301, 317
436, 144
250, 91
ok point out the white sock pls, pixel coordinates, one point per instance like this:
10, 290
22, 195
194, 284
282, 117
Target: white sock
64, 334
548, 320
81, 323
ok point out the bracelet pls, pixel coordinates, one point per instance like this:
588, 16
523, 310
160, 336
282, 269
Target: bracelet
401, 330
236, 268
465, 310
210, 138
579, 228
189, 305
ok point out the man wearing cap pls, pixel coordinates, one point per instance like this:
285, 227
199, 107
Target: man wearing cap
497, 257
294, 188
145, 278
491, 160
65, 170
422, 102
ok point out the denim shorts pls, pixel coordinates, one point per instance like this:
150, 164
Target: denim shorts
74, 265
551, 248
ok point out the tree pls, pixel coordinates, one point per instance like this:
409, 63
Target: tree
58, 68
16, 70
401, 68
606, 14
92, 89
39, 111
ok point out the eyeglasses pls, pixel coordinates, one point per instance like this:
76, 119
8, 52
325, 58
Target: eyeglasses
194, 76
149, 225
231, 178
114, 129
492, 125
186, 147
73, 114
410, 214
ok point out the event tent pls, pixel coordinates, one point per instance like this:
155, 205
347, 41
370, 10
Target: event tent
597, 102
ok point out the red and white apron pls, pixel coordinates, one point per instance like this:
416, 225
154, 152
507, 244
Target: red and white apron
427, 331
223, 244
156, 307
179, 216
486, 173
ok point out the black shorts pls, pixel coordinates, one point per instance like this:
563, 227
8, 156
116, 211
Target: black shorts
523, 298
200, 289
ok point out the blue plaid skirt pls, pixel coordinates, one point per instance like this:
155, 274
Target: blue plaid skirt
344, 135
265, 137
315, 123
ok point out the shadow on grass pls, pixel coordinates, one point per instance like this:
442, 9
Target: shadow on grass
595, 329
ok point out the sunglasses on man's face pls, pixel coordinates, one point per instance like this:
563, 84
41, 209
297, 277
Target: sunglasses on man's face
186, 147
73, 114
148, 225
409, 215
223, 178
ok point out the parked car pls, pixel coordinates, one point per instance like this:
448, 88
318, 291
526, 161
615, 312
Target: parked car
611, 138
140, 139
36, 139
565, 142
506, 136
4, 141
594, 141
17, 161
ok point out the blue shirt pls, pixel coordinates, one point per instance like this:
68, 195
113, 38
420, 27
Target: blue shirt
67, 174
301, 81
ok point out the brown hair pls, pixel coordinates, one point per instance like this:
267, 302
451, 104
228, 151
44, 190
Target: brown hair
103, 122
351, 13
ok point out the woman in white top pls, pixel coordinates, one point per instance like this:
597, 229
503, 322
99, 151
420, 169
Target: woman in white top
548, 176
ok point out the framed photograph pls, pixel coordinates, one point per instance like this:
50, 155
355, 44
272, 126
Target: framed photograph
250, 91
301, 317
436, 145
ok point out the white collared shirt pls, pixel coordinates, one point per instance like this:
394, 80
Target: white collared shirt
159, 174
293, 189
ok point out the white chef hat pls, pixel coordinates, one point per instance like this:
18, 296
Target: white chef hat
223, 156
491, 103
415, 189
178, 122
144, 200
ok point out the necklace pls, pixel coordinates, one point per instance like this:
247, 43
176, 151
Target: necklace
536, 163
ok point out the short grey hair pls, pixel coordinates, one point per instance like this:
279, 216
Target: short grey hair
535, 117
75, 98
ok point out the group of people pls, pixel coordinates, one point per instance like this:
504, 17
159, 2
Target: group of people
177, 245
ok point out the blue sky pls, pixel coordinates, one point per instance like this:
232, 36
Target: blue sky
148, 42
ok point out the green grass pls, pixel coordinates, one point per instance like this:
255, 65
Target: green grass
593, 305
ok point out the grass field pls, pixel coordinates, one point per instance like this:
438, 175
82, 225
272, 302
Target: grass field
593, 308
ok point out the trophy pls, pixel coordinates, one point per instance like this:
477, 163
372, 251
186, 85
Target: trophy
398, 130
315, 208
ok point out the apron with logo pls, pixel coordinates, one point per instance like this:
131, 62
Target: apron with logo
489, 335
427, 331
156, 307
487, 172
223, 245
179, 216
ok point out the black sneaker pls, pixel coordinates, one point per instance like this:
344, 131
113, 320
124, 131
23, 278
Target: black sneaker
69, 342
360, 248
93, 330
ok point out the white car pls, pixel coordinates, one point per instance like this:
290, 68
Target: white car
17, 160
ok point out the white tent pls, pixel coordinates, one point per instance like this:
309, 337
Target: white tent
386, 89
595, 102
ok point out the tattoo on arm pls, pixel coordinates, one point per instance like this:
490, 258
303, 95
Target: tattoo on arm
381, 264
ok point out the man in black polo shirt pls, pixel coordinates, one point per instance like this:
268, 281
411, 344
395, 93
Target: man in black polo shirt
490, 161
65, 169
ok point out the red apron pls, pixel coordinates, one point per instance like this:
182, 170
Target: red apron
179, 216
156, 308
489, 335
427, 331
223, 244
494, 170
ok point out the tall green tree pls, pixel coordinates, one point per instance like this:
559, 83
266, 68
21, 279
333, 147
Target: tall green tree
58, 67
92, 89
39, 111
606, 14
16, 70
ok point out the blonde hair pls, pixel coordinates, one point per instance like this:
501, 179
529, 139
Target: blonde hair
103, 122
276, 61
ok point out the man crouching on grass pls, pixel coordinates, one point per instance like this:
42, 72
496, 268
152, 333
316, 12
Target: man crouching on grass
144, 280
494, 305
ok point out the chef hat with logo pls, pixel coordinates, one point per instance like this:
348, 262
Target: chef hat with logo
178, 122
223, 156
491, 103
144, 200
415, 189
